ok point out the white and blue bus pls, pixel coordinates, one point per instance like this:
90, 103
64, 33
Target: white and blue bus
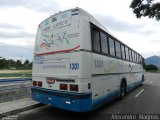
78, 65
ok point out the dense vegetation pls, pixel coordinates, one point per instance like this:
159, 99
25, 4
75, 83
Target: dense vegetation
14, 64
151, 68
146, 8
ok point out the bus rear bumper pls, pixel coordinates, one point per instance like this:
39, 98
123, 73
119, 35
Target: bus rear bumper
78, 102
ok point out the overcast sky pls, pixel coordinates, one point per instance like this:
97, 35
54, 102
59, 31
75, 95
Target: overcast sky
19, 20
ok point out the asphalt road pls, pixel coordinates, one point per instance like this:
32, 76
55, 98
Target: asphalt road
143, 99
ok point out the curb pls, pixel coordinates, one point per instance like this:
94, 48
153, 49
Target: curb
11, 112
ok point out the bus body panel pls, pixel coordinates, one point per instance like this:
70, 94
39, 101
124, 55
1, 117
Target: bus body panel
105, 79
63, 68
56, 34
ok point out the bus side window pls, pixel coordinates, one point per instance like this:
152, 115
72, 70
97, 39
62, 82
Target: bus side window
137, 58
123, 52
141, 59
111, 47
118, 49
133, 58
104, 43
95, 39
130, 55
127, 53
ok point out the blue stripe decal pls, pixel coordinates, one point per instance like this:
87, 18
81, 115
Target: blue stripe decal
61, 93
112, 95
63, 102
132, 85
74, 14
106, 98
77, 104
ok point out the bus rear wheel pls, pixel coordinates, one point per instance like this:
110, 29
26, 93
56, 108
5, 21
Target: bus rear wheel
142, 80
122, 90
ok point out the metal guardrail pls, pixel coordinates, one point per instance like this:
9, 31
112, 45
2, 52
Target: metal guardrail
27, 93
9, 92
15, 80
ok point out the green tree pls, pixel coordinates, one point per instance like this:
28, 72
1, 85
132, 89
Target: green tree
2, 63
30, 65
146, 8
26, 63
151, 68
18, 64
12, 63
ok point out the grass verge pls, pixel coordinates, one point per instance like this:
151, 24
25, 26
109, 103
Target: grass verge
15, 73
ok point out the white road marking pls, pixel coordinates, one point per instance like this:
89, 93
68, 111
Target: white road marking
150, 82
139, 93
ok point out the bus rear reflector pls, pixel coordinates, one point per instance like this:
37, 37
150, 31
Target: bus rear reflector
34, 83
63, 87
73, 87
39, 84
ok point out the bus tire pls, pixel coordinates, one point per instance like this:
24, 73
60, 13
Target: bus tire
142, 80
123, 89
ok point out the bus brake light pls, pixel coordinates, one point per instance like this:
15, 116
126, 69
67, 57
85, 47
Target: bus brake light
63, 87
39, 84
34, 83
73, 87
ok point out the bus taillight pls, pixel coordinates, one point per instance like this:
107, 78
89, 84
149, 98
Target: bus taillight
73, 87
39, 84
63, 87
34, 83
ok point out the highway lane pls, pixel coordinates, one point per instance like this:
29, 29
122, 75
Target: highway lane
14, 81
143, 99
